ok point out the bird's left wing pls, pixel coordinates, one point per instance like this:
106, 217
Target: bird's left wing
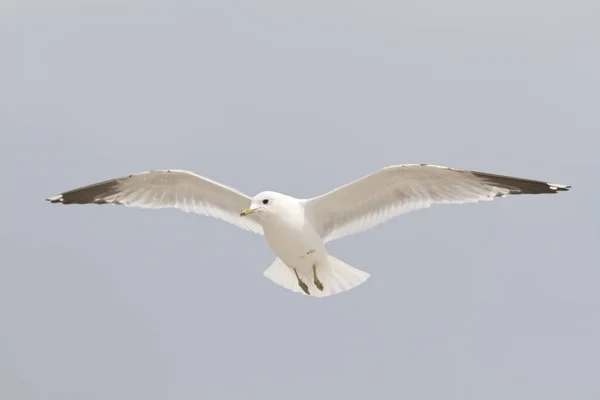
168, 189
398, 189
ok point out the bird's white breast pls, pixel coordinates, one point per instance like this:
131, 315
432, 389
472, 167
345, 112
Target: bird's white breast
294, 240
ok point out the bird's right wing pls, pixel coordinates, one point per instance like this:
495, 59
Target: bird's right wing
168, 189
398, 189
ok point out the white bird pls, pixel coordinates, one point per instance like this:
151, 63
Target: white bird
297, 230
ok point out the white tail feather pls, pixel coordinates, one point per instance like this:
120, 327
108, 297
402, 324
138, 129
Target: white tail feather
336, 277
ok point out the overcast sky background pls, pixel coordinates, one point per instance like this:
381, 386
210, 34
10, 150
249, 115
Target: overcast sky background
495, 300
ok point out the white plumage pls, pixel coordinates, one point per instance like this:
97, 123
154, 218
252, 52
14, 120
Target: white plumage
297, 229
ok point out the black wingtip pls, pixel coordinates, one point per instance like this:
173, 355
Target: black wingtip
519, 185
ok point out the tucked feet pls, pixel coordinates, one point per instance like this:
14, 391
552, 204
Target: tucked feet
318, 283
302, 285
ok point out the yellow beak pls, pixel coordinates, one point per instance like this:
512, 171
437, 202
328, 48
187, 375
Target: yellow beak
247, 211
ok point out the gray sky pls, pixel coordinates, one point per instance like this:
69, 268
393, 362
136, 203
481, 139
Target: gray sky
490, 301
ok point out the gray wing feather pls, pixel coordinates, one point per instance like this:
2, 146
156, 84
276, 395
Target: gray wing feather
183, 190
398, 189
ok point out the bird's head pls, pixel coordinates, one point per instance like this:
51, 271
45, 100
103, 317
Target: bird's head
267, 204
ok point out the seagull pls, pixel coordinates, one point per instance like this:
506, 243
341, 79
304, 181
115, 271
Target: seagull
297, 230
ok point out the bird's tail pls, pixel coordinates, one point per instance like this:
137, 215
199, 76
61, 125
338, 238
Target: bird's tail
336, 277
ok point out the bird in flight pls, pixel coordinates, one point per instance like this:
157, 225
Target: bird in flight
297, 230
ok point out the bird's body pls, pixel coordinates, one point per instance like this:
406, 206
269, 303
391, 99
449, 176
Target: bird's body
296, 243
291, 235
297, 230
294, 240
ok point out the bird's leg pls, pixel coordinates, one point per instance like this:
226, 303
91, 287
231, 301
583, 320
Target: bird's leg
302, 285
318, 283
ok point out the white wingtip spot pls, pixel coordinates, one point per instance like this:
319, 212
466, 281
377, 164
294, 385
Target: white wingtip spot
556, 186
55, 199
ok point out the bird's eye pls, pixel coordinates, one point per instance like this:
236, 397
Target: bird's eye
265, 201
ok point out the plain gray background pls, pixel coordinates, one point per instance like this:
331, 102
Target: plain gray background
495, 300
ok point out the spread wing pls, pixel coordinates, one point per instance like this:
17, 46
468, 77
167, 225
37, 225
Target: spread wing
168, 189
398, 189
